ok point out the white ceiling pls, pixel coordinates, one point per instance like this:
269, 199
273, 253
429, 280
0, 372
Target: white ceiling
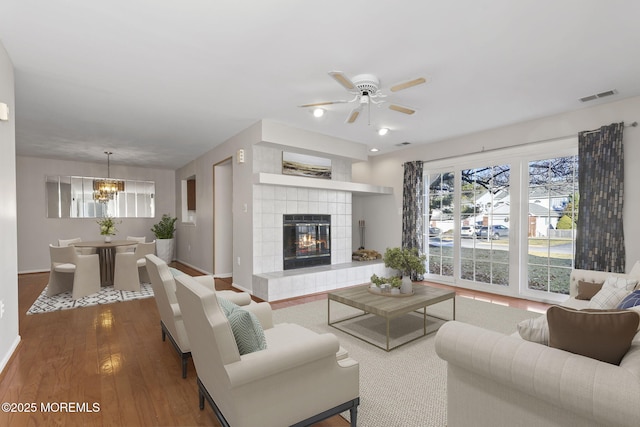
161, 82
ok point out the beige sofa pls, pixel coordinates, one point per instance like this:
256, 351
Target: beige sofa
497, 380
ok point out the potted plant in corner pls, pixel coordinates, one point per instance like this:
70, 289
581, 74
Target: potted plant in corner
406, 261
164, 231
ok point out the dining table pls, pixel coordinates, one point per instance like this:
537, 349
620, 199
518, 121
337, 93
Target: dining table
107, 255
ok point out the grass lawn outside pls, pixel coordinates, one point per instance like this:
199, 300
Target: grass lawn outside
549, 274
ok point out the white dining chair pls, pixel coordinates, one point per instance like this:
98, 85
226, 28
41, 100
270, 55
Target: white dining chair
131, 267
71, 271
70, 242
131, 248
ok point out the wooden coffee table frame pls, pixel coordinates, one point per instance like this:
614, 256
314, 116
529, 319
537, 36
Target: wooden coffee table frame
389, 307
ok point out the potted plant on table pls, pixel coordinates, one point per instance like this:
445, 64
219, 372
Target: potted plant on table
164, 231
407, 261
107, 227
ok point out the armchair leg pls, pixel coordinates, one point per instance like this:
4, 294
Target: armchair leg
184, 356
351, 406
203, 393
353, 416
201, 399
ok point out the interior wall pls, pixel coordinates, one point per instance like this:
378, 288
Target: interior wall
223, 218
36, 231
9, 337
196, 249
384, 215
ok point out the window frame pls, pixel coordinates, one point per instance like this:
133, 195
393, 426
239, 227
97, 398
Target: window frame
518, 157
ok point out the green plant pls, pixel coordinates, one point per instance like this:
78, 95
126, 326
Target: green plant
394, 282
165, 228
405, 261
377, 280
107, 226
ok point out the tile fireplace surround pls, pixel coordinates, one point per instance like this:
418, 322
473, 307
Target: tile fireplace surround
305, 281
270, 202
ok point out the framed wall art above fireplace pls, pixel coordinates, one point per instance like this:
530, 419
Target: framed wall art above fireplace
305, 165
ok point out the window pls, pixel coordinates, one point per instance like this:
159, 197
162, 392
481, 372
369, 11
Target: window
485, 199
504, 222
439, 245
551, 223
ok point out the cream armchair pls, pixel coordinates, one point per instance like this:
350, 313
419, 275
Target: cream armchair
131, 267
164, 289
299, 379
73, 271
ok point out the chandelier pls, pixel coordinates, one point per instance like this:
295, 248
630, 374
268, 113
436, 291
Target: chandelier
106, 189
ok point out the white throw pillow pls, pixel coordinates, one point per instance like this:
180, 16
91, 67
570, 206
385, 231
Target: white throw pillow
612, 293
635, 271
535, 330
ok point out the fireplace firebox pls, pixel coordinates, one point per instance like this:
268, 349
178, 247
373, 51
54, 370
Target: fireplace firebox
306, 240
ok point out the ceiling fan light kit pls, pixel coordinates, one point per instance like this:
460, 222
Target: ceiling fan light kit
365, 89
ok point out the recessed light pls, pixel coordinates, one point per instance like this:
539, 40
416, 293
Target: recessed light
318, 112
383, 131
374, 150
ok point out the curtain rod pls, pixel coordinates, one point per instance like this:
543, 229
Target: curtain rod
634, 124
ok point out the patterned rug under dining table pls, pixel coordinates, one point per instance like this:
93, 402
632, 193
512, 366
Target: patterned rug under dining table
389, 307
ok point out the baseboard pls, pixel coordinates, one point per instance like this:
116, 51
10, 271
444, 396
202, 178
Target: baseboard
33, 271
242, 288
194, 267
7, 357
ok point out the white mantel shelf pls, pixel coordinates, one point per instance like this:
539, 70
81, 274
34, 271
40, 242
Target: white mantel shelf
322, 184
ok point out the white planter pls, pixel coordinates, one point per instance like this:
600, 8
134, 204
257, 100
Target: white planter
407, 285
164, 249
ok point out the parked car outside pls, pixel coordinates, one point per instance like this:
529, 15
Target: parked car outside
467, 231
497, 232
434, 232
440, 242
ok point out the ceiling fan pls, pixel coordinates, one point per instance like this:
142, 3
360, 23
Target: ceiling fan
365, 89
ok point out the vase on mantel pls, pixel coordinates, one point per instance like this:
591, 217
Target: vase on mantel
107, 238
407, 285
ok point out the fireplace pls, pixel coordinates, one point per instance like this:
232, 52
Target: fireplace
306, 240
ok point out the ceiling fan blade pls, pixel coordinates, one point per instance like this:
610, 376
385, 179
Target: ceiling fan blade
342, 79
408, 84
353, 116
318, 104
401, 109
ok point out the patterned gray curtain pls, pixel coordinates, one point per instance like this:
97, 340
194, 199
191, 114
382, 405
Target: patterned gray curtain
600, 236
413, 209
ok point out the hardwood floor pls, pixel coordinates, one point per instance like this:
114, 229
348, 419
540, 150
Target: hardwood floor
112, 358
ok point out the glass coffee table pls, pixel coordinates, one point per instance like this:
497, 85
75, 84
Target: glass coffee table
388, 307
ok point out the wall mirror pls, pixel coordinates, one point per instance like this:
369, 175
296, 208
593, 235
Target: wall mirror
72, 197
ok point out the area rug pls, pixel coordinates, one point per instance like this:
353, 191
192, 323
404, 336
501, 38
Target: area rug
407, 386
107, 295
